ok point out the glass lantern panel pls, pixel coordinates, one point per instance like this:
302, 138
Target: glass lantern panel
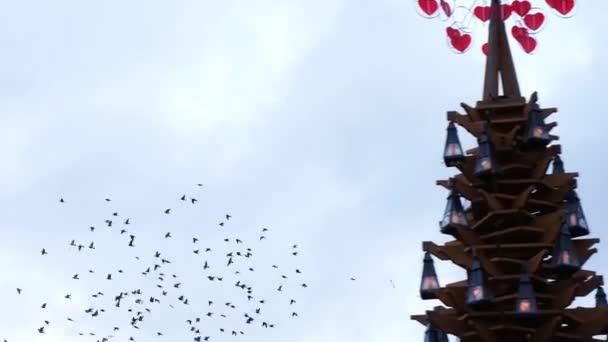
429, 283
524, 305
447, 214
485, 164
538, 132
453, 150
459, 218
446, 220
565, 258
582, 222
572, 219
476, 293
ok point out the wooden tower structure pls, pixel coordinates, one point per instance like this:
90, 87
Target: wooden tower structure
522, 239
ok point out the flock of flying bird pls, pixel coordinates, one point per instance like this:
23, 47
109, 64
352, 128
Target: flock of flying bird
139, 304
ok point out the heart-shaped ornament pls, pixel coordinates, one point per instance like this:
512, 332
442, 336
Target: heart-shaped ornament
446, 8
519, 32
462, 43
528, 44
458, 40
485, 48
452, 32
562, 7
428, 8
482, 12
534, 21
521, 7
505, 11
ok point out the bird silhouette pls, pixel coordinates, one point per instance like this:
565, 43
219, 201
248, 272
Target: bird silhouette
161, 293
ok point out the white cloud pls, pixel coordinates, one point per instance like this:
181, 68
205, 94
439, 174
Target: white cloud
245, 61
307, 117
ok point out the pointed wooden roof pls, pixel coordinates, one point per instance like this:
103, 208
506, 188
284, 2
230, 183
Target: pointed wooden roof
499, 62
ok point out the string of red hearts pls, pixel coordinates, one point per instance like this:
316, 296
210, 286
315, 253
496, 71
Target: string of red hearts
526, 18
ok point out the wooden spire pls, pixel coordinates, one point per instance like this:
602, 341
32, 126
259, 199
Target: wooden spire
499, 62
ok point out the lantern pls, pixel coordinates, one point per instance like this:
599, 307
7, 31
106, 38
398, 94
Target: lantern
478, 293
434, 334
452, 153
526, 300
600, 298
429, 280
564, 258
558, 165
453, 215
485, 164
536, 130
575, 218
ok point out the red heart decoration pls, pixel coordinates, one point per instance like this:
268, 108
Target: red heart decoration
527, 43
453, 33
521, 7
429, 7
534, 21
446, 8
564, 7
519, 32
485, 48
462, 42
482, 12
505, 11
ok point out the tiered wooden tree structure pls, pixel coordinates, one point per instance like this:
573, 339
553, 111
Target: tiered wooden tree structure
520, 238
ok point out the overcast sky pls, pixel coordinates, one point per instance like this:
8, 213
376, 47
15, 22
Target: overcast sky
321, 120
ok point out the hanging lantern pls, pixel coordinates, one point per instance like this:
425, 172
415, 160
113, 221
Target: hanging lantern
575, 217
429, 281
453, 215
452, 154
558, 165
600, 298
526, 299
434, 334
478, 293
485, 163
537, 132
564, 258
